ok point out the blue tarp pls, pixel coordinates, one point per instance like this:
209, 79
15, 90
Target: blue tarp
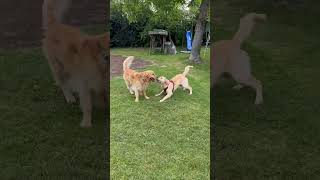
189, 40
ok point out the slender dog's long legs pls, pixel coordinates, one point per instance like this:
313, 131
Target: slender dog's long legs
166, 97
257, 86
159, 93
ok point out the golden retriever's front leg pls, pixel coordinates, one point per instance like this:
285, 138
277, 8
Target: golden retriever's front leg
136, 92
145, 94
159, 93
166, 97
68, 94
86, 106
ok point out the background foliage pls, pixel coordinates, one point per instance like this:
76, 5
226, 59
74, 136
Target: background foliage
131, 20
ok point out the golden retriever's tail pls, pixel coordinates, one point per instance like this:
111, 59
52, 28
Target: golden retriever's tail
53, 11
127, 63
246, 26
186, 70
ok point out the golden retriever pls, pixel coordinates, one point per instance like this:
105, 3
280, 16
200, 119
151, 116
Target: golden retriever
169, 86
76, 61
137, 82
228, 57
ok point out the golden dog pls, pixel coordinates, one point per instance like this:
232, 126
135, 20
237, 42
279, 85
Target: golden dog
169, 86
137, 82
76, 61
228, 57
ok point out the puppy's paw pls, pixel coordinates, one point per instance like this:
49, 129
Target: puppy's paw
147, 97
136, 100
131, 92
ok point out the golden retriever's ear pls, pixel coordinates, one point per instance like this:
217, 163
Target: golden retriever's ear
96, 43
91, 46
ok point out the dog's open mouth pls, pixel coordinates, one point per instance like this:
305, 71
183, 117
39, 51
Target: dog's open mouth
153, 79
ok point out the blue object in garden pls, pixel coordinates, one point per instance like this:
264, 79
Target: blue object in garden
189, 40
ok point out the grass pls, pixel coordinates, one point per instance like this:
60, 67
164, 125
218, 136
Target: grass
280, 139
40, 136
153, 140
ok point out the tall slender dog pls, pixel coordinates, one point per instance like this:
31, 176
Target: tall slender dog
228, 57
169, 86
76, 60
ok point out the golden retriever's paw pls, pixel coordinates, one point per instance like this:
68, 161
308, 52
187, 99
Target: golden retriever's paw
136, 100
131, 92
85, 124
147, 97
161, 100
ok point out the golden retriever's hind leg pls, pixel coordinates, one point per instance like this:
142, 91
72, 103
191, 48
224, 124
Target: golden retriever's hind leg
145, 94
86, 106
136, 92
128, 87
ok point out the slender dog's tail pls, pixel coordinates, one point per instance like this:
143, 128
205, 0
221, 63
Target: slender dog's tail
246, 26
53, 11
127, 63
186, 70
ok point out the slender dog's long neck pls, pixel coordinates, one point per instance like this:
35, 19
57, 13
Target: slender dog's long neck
244, 31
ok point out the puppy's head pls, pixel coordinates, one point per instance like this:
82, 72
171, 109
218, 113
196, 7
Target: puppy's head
150, 75
161, 79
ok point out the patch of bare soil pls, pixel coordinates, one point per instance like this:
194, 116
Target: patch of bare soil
116, 65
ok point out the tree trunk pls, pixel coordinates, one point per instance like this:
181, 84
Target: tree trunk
199, 30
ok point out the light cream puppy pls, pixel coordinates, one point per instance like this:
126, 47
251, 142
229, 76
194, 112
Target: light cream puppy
169, 86
228, 57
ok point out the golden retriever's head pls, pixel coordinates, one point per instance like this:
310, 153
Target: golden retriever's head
149, 75
94, 45
161, 79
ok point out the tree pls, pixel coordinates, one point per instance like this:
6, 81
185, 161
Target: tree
199, 31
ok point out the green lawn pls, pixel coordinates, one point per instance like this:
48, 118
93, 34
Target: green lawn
280, 139
153, 140
40, 136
